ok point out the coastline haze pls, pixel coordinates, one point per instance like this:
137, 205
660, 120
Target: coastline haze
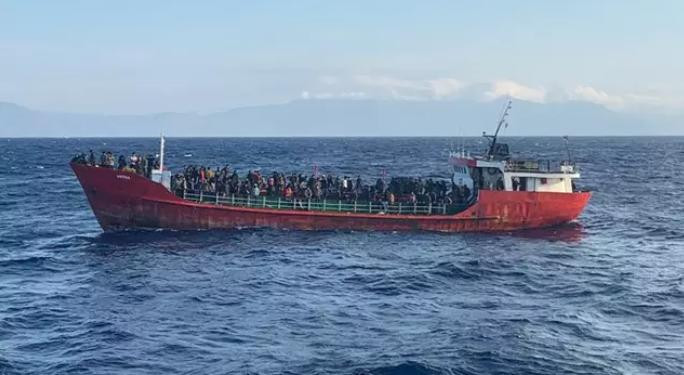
343, 117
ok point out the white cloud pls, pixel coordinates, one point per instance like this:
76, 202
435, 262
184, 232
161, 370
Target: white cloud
333, 95
388, 82
444, 87
439, 88
592, 95
384, 86
628, 102
516, 91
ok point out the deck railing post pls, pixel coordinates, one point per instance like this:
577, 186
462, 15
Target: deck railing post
323, 204
232, 199
370, 207
444, 209
339, 205
415, 208
216, 197
200, 195
308, 204
294, 203
278, 202
263, 201
399, 208
185, 192
429, 208
354, 205
248, 200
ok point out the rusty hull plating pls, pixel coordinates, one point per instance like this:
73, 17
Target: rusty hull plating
123, 200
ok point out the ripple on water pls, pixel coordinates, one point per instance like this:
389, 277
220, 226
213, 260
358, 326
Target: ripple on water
602, 295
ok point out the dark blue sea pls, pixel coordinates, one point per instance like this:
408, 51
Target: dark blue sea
604, 295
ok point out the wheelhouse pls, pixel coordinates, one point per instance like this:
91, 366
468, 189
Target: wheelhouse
497, 170
513, 175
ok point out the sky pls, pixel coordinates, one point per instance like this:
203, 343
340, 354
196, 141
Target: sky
134, 57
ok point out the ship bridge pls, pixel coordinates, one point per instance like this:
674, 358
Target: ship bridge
514, 174
497, 170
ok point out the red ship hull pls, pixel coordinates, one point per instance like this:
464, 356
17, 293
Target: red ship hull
123, 200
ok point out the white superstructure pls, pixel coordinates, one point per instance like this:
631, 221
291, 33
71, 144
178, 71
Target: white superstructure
513, 175
496, 170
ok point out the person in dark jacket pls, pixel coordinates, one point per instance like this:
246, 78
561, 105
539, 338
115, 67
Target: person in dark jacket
121, 162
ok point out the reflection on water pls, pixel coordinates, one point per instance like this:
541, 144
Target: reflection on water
571, 232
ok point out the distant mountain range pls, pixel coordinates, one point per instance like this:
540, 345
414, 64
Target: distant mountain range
337, 117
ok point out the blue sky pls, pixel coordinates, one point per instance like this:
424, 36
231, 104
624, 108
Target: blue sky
154, 56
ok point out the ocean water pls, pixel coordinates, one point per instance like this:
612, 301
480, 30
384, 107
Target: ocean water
604, 295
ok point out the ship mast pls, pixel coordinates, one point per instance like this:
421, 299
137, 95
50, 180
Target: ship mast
161, 152
493, 138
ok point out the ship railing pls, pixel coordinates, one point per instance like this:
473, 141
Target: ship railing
541, 165
365, 207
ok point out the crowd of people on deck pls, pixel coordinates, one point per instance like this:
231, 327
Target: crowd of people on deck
136, 163
226, 182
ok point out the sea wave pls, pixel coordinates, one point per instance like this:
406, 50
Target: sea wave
602, 295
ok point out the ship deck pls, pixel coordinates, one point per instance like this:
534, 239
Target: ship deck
325, 205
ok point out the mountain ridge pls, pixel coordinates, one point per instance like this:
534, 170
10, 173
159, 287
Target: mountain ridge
344, 117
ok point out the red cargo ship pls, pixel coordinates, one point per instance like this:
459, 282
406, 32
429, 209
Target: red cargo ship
507, 194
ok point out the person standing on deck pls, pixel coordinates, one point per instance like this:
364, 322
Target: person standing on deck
110, 160
122, 162
143, 166
202, 178
150, 165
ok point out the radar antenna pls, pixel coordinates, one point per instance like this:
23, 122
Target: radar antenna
493, 138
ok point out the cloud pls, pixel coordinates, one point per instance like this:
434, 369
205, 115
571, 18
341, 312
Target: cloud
445, 87
438, 88
388, 87
388, 83
592, 95
628, 102
329, 95
516, 91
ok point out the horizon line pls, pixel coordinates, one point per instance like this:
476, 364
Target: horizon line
347, 136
